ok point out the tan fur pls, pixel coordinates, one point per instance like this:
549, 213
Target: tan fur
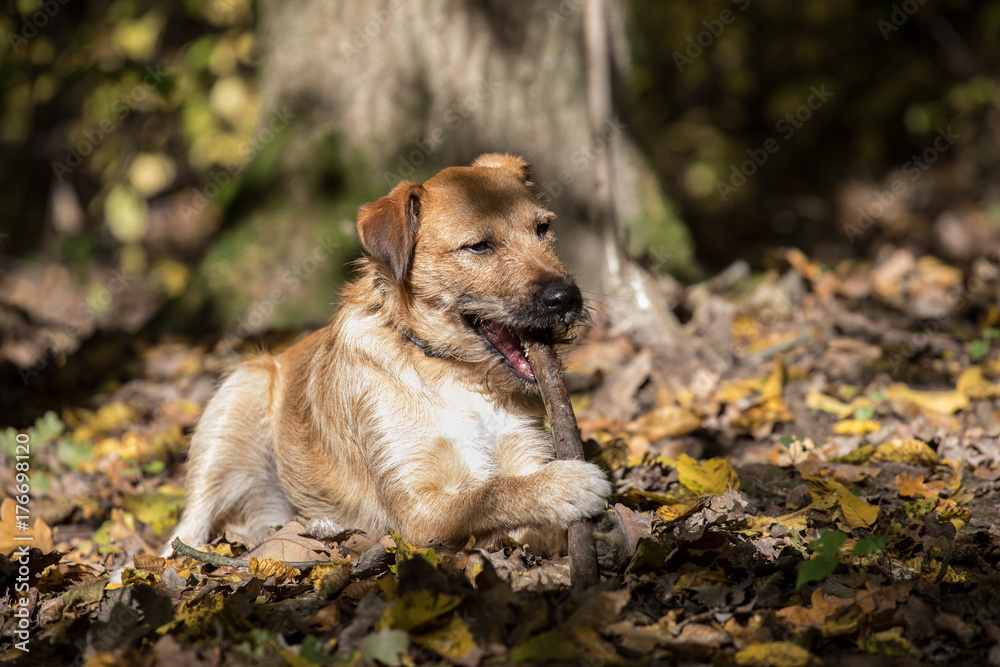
358, 425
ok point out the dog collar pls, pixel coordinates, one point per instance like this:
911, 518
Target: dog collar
422, 347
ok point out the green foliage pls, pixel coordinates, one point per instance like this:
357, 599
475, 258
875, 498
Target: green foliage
979, 349
47, 428
825, 559
864, 412
870, 545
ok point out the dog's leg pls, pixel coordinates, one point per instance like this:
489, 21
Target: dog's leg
231, 472
556, 494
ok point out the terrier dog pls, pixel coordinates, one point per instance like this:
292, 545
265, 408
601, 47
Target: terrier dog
415, 409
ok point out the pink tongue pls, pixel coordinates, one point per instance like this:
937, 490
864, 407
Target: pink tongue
509, 344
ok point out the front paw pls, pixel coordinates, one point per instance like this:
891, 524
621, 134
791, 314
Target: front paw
575, 490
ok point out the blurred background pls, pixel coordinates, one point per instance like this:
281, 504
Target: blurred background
194, 168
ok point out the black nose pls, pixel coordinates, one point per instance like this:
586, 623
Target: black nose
560, 298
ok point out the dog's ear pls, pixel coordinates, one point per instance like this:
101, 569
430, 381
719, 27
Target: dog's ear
388, 227
511, 163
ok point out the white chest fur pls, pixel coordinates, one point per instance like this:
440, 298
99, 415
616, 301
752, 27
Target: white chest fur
477, 428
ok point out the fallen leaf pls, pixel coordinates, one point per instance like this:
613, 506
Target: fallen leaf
915, 487
451, 641
816, 400
856, 426
906, 451
972, 384
262, 568
714, 477
857, 512
416, 608
666, 422
774, 654
17, 526
290, 546
941, 402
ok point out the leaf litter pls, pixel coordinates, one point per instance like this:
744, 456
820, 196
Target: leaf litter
818, 486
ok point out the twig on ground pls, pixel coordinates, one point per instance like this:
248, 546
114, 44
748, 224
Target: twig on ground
219, 560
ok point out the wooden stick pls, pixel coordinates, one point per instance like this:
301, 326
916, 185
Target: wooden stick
219, 560
548, 373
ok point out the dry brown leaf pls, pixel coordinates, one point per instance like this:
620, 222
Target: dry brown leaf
290, 546
16, 526
667, 422
915, 487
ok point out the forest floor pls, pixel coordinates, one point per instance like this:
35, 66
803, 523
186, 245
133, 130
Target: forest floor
816, 484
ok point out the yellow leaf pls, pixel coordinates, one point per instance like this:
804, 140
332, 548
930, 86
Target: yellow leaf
774, 654
856, 426
857, 512
328, 579
817, 400
714, 476
906, 451
262, 568
948, 510
451, 642
198, 615
416, 608
89, 425
733, 391
857, 456
775, 381
886, 642
671, 513
973, 385
941, 402
791, 522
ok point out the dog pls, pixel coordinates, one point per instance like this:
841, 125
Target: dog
415, 409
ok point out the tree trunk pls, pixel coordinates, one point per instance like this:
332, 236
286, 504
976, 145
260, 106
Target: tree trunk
412, 86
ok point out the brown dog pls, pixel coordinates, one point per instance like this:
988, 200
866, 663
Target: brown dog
415, 408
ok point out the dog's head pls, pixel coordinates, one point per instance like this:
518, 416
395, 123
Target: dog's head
471, 254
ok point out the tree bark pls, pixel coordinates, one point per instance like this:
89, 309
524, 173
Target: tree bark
412, 86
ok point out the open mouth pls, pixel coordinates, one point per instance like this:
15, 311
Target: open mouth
508, 343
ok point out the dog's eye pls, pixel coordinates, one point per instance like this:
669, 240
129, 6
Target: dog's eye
542, 230
481, 248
